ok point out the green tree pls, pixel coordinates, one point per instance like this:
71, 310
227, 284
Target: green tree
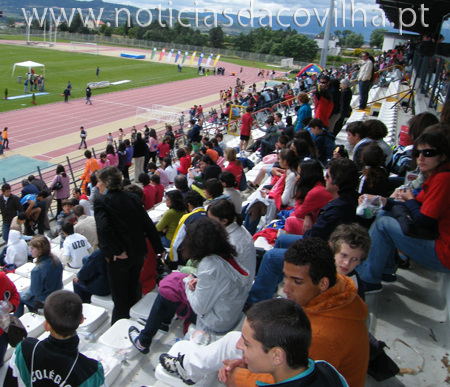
108, 31
300, 47
102, 28
243, 42
377, 37
277, 49
63, 27
216, 36
345, 34
11, 22
354, 40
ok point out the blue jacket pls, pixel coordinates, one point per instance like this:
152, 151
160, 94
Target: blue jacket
325, 146
341, 210
303, 112
93, 274
45, 279
194, 136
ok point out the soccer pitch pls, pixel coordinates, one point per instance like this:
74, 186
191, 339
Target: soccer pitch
79, 69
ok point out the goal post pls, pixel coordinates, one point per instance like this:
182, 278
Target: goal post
84, 47
287, 62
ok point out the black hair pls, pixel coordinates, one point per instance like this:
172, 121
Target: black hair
282, 323
152, 133
43, 194
177, 200
194, 199
302, 148
373, 159
181, 153
229, 179
67, 227
225, 209
315, 253
208, 160
214, 187
376, 129
155, 179
63, 311
357, 127
110, 150
311, 173
419, 123
152, 165
344, 174
61, 170
437, 137
94, 179
88, 154
291, 159
167, 162
6, 187
303, 134
122, 147
181, 182
144, 179
198, 243
22, 216
316, 122
134, 189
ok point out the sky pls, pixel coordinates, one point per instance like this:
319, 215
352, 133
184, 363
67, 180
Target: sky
236, 5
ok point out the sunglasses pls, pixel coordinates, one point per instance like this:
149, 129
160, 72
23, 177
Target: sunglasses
426, 153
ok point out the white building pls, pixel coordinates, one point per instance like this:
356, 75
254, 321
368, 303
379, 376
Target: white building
333, 48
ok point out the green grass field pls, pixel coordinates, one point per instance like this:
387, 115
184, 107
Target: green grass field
61, 67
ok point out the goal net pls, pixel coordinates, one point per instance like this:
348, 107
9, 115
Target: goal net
287, 62
87, 48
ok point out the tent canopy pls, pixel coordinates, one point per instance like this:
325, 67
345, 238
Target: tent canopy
28, 64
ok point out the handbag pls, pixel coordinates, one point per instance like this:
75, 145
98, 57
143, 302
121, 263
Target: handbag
16, 331
58, 185
410, 227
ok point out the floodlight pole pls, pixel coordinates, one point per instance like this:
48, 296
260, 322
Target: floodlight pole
45, 27
28, 28
326, 38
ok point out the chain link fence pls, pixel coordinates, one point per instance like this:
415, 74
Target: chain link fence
148, 44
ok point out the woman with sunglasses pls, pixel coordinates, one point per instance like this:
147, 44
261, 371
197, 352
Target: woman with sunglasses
429, 209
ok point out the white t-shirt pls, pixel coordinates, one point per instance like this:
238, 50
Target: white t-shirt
76, 246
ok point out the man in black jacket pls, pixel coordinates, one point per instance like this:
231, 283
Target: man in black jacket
10, 206
122, 227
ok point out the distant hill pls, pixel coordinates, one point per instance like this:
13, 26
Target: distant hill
13, 9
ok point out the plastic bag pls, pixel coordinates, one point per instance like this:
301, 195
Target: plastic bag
202, 333
5, 318
369, 207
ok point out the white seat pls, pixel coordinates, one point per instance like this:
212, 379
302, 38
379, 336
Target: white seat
103, 301
94, 316
25, 270
183, 346
111, 365
71, 269
33, 323
117, 337
13, 277
67, 277
142, 308
22, 284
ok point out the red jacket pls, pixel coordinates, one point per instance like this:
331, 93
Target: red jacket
149, 196
185, 163
159, 193
323, 109
235, 170
247, 122
7, 285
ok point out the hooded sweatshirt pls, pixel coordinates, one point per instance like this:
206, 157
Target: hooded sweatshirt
339, 334
17, 252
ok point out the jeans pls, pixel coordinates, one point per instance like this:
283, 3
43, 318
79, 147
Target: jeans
270, 272
83, 141
387, 237
82, 292
162, 311
6, 143
5, 230
3, 347
88, 100
266, 147
364, 87
165, 242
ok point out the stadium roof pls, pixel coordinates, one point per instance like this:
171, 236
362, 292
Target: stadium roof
433, 18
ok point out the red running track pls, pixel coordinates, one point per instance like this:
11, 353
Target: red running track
37, 124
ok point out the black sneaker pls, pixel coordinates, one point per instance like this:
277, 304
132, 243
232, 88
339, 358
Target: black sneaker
372, 288
389, 278
164, 328
133, 334
174, 365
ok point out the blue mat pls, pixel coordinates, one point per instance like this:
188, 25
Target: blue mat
132, 56
15, 166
